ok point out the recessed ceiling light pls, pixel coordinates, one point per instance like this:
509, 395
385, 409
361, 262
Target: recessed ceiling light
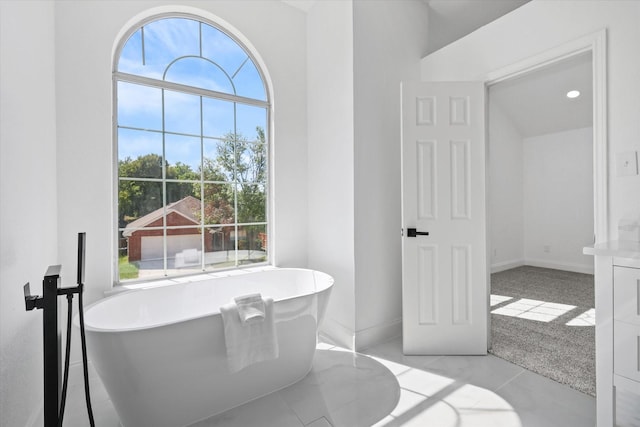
573, 94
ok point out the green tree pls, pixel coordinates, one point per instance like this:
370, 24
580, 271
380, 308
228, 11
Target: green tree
137, 198
218, 196
244, 162
237, 171
179, 190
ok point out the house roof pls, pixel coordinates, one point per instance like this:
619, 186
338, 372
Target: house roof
188, 207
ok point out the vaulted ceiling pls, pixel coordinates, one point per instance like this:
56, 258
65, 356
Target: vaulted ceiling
537, 103
450, 20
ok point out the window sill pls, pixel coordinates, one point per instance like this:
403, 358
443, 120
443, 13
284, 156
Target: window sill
185, 279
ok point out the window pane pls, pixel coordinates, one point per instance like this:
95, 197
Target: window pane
212, 170
249, 83
200, 73
190, 167
183, 204
252, 244
141, 256
183, 171
139, 154
139, 106
249, 120
219, 247
252, 203
164, 41
217, 117
183, 156
226, 157
181, 113
151, 261
131, 56
219, 204
184, 249
222, 49
139, 204
127, 270
219, 160
252, 162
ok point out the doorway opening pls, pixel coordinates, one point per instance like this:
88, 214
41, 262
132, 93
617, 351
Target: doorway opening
541, 200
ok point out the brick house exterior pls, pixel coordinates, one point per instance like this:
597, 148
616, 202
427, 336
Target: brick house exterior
184, 212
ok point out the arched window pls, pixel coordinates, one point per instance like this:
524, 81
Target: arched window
191, 129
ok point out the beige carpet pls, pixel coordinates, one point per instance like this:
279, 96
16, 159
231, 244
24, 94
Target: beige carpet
558, 344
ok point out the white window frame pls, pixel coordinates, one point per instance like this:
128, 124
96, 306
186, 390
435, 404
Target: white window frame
118, 76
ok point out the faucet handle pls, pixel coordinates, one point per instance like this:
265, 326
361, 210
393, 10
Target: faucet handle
31, 301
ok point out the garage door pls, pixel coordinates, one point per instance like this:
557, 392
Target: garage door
152, 245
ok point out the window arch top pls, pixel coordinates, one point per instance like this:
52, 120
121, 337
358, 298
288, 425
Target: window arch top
193, 53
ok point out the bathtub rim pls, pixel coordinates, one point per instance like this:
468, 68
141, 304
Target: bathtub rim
199, 278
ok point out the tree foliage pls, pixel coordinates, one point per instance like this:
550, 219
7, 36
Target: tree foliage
217, 195
244, 162
237, 171
137, 198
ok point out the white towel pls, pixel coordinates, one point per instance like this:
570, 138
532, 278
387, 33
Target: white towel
249, 342
250, 308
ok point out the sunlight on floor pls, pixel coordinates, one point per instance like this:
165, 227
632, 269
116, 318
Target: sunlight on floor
456, 405
534, 310
541, 311
382, 387
588, 318
498, 299
426, 397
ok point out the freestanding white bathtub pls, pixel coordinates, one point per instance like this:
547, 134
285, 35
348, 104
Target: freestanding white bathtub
161, 353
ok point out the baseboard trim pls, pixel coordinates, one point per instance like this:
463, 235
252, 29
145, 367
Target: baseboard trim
337, 333
378, 334
506, 265
576, 268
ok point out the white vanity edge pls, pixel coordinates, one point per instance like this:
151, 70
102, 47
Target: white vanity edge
607, 254
615, 248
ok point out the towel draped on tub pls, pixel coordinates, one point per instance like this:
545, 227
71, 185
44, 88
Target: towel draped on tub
249, 331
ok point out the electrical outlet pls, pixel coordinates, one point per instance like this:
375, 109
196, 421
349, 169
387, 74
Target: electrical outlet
547, 248
495, 253
627, 163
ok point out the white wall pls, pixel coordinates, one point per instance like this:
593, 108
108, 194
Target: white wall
541, 194
331, 159
86, 35
505, 192
84, 127
389, 40
542, 25
558, 199
28, 221
355, 68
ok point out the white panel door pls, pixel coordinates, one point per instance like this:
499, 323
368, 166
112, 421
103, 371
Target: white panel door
444, 273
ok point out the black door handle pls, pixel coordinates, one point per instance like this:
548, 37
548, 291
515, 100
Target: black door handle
412, 232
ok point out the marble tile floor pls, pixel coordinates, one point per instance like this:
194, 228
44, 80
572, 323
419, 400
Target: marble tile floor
382, 387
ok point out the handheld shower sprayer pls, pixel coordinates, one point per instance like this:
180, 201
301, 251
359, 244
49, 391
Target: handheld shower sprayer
53, 416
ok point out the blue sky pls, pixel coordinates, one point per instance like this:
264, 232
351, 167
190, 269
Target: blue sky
141, 106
